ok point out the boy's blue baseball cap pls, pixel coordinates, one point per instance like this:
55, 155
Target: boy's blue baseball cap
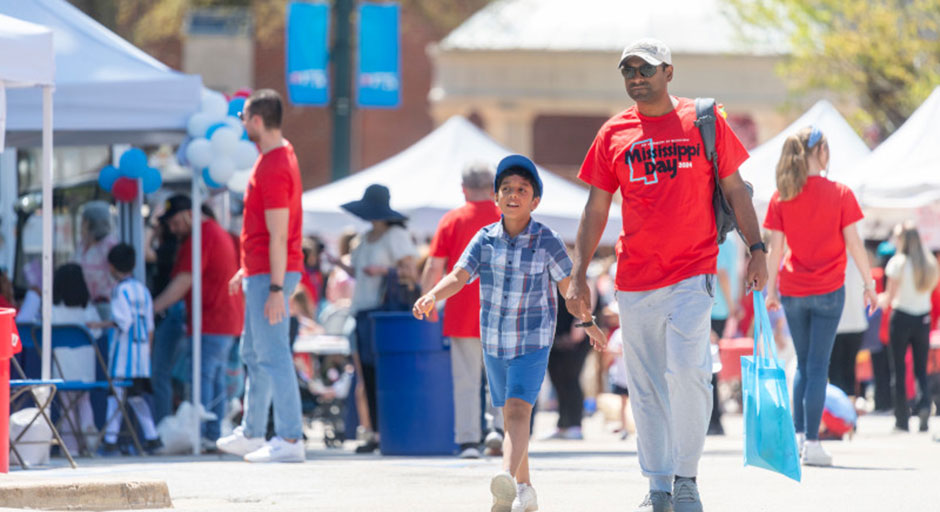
520, 162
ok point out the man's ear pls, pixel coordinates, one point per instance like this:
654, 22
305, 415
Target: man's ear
669, 69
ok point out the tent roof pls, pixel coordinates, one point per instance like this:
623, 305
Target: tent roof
848, 151
606, 25
903, 171
107, 90
26, 53
425, 179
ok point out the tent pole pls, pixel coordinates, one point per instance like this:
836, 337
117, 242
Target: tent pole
47, 214
196, 313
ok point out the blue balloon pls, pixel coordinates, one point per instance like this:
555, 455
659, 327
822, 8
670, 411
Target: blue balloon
106, 178
133, 163
213, 128
235, 106
208, 179
152, 180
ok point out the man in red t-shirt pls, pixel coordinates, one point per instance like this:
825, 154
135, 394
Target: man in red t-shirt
653, 153
272, 261
462, 311
222, 314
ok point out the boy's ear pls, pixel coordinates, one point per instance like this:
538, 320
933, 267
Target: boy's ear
535, 203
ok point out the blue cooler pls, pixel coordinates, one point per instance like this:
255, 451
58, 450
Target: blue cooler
414, 386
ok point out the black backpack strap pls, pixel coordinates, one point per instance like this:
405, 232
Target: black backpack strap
705, 121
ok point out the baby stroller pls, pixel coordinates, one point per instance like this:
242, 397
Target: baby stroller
325, 373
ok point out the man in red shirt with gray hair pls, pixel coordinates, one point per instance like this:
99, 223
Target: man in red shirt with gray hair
462, 311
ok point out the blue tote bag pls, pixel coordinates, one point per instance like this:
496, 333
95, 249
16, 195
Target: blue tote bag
769, 438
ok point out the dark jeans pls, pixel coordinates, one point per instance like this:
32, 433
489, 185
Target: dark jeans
714, 423
914, 331
215, 354
813, 321
166, 351
842, 362
564, 370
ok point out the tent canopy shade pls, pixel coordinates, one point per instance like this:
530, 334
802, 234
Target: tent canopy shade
107, 90
903, 172
425, 183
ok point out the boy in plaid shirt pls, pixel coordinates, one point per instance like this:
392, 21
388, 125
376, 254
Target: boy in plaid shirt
519, 262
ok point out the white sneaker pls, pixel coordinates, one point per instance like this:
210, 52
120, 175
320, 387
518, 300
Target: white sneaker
278, 450
503, 488
494, 442
525, 501
469, 451
815, 455
237, 444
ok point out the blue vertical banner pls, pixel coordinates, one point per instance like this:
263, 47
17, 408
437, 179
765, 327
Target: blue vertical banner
307, 53
378, 78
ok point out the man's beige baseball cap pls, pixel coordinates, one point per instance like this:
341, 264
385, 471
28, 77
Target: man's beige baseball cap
653, 51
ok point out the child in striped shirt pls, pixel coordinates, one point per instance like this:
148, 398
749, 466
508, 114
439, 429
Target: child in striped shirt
129, 342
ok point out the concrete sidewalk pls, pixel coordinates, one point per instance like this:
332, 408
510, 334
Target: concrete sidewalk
878, 471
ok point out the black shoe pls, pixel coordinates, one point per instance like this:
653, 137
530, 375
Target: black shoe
106, 449
152, 446
367, 447
924, 415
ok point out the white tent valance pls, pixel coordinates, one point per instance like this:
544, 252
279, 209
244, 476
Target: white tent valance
425, 183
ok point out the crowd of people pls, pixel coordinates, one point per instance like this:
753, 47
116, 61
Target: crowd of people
519, 305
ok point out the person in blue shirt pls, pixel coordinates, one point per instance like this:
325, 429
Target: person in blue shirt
521, 265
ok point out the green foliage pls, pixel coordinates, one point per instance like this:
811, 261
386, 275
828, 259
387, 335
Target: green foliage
881, 54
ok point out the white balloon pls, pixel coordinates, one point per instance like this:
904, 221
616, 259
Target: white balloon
199, 153
224, 141
198, 124
214, 104
221, 169
245, 154
235, 124
239, 181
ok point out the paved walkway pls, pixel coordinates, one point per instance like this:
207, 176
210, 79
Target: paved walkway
877, 471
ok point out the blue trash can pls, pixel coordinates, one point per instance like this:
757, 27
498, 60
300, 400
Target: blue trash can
414, 386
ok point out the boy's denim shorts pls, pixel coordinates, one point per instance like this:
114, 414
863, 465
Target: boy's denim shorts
520, 377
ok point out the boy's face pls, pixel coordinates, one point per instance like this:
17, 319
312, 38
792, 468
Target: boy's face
516, 197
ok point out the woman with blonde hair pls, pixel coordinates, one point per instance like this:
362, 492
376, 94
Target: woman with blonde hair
815, 219
912, 276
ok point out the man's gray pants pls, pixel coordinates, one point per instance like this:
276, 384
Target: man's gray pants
466, 362
669, 368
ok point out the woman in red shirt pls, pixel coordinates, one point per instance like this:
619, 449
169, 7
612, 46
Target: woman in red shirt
815, 219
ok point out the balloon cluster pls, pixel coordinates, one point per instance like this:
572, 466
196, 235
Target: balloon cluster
220, 149
121, 181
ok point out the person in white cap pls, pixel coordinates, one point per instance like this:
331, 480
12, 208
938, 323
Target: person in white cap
666, 263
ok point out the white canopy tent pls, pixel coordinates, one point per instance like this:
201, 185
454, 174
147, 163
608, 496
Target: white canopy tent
424, 181
27, 59
847, 151
107, 90
904, 170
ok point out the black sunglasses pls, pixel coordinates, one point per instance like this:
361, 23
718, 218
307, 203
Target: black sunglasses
646, 70
241, 115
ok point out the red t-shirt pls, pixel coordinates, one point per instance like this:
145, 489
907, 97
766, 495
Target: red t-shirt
659, 165
812, 222
274, 184
221, 313
455, 230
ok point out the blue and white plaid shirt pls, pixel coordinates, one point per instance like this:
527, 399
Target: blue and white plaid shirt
518, 291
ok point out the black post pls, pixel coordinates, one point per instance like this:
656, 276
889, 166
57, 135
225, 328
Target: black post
342, 87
